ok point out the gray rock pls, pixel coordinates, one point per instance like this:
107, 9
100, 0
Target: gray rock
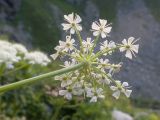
119, 115
143, 72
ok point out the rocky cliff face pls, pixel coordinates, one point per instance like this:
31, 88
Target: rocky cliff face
132, 18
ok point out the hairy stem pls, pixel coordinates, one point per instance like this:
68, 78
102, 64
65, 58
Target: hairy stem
80, 39
100, 53
95, 43
28, 81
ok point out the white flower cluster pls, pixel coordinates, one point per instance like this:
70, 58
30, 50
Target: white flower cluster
37, 57
11, 53
91, 80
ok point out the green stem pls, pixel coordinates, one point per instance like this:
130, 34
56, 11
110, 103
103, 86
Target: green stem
28, 81
95, 43
100, 53
80, 39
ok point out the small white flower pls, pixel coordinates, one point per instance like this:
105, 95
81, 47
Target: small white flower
87, 45
103, 80
115, 68
66, 93
57, 54
73, 23
68, 63
68, 45
65, 79
107, 45
95, 94
103, 64
101, 28
129, 47
37, 57
121, 88
77, 88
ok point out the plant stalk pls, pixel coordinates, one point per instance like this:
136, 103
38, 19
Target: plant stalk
28, 81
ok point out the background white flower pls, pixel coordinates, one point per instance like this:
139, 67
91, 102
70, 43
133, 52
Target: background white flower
20, 48
37, 57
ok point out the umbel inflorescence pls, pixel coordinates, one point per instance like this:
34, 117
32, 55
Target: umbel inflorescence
91, 80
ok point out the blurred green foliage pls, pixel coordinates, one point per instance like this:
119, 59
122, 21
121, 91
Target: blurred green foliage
39, 20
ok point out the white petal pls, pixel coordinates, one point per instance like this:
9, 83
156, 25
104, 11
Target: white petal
125, 84
99, 90
62, 92
128, 93
79, 27
72, 40
66, 26
78, 19
118, 82
116, 94
68, 96
105, 43
103, 22
96, 33
122, 49
111, 44
93, 99
107, 81
135, 48
103, 35
69, 18
128, 54
130, 40
95, 26
108, 29
101, 96
64, 84
69, 82
54, 56
113, 88
72, 31
125, 42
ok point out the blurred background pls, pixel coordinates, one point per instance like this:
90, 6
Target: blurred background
36, 24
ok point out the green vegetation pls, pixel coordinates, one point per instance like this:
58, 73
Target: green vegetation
39, 20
